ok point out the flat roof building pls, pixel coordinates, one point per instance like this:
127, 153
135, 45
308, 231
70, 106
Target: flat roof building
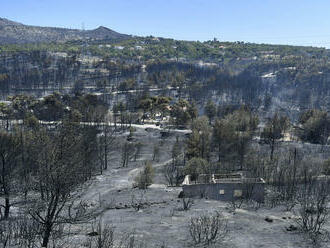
224, 187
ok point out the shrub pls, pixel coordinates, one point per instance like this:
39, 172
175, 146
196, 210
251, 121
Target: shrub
145, 177
313, 214
207, 229
326, 167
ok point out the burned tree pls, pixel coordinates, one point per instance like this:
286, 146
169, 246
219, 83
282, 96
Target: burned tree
60, 167
173, 171
274, 130
127, 153
105, 143
313, 199
9, 152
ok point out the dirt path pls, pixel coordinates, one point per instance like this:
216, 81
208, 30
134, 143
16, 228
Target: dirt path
113, 180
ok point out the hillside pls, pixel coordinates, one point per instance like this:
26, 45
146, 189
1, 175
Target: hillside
103, 134
17, 33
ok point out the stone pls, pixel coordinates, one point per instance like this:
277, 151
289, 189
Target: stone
268, 219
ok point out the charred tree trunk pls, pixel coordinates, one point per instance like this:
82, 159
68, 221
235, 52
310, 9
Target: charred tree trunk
272, 148
7, 207
105, 148
46, 234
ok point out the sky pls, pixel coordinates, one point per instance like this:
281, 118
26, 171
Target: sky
294, 22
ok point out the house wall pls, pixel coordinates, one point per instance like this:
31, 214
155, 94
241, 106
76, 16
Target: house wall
256, 191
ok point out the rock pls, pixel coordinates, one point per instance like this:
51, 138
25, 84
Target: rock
181, 194
165, 134
292, 228
268, 219
92, 234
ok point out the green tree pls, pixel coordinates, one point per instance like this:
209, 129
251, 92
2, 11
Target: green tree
197, 166
210, 110
233, 134
192, 110
180, 114
315, 126
199, 142
146, 106
145, 177
51, 108
223, 137
21, 105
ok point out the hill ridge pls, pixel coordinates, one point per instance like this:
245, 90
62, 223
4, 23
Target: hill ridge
12, 32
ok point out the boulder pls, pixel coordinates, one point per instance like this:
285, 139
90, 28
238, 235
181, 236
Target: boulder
292, 228
269, 219
92, 234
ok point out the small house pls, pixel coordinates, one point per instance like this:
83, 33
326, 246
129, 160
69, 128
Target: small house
224, 187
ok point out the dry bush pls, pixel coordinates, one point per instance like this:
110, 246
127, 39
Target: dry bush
128, 240
6, 233
20, 232
187, 203
139, 201
313, 200
208, 229
104, 237
246, 199
27, 232
235, 203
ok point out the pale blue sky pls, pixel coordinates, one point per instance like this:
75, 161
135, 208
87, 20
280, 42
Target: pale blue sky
303, 22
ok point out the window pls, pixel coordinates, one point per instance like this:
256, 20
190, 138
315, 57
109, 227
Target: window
222, 192
238, 193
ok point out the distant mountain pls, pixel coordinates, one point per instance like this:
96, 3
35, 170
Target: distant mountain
16, 33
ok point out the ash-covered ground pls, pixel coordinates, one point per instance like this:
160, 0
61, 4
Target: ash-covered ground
161, 222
